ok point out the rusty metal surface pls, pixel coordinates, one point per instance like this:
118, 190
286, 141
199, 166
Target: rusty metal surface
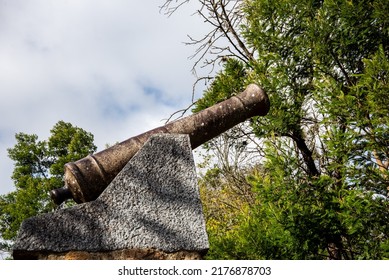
86, 178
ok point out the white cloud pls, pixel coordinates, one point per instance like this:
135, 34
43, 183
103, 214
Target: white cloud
115, 68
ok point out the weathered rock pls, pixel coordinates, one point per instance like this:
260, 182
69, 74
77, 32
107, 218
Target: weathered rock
153, 204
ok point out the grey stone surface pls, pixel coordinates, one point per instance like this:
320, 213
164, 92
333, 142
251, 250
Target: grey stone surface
153, 202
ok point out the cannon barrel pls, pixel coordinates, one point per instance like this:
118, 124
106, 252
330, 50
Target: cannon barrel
87, 178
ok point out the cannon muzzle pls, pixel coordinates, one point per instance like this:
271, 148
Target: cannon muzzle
86, 178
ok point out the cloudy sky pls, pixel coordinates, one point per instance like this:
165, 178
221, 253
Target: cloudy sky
114, 68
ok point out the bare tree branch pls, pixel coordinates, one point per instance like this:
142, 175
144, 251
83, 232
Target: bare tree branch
182, 111
225, 18
171, 8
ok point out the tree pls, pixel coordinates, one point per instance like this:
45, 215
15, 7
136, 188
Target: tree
322, 188
39, 169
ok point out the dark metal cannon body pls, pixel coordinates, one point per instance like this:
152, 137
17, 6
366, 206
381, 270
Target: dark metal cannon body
87, 178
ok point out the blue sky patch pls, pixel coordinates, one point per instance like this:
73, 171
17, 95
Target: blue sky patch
157, 95
112, 109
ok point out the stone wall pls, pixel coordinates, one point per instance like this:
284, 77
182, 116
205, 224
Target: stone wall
153, 202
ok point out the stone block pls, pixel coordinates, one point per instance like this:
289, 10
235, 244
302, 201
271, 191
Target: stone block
152, 204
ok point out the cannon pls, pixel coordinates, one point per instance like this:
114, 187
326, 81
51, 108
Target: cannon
87, 178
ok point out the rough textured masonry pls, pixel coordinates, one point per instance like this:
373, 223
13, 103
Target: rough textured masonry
153, 203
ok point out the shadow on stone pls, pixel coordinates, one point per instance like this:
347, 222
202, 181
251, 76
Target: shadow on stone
152, 204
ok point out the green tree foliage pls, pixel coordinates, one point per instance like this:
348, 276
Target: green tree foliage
322, 189
225, 85
39, 169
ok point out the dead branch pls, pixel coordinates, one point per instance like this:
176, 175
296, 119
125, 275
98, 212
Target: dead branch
225, 18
